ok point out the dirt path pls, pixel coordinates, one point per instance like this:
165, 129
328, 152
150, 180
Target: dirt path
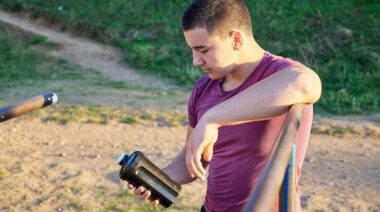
86, 53
52, 167
105, 59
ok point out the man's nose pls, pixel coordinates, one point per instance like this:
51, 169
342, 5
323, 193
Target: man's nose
197, 61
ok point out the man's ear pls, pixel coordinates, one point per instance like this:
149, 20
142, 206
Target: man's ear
236, 40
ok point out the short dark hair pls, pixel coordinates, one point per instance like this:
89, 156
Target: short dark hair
217, 16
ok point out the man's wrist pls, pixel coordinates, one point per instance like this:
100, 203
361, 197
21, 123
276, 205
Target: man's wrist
171, 174
180, 178
210, 118
167, 172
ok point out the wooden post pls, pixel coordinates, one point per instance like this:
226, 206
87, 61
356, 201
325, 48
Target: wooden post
26, 106
267, 188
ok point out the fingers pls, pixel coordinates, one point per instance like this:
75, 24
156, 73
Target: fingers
144, 194
194, 154
189, 164
200, 171
201, 141
139, 191
207, 154
131, 186
193, 162
194, 165
154, 202
209, 149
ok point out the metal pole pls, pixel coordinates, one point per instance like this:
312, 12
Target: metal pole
19, 108
271, 177
288, 189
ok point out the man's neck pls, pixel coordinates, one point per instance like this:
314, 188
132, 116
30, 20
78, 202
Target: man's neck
249, 58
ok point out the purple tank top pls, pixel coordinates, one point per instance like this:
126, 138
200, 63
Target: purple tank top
241, 150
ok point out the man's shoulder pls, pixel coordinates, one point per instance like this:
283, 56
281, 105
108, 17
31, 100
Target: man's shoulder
280, 61
273, 63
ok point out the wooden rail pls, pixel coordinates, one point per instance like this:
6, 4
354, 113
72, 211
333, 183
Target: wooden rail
19, 108
267, 188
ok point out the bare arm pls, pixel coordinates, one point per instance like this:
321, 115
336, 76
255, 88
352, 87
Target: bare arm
177, 168
268, 98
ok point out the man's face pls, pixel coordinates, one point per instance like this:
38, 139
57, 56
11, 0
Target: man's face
214, 55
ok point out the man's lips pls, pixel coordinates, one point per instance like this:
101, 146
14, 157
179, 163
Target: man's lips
207, 70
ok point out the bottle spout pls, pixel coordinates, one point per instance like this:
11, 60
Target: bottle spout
122, 159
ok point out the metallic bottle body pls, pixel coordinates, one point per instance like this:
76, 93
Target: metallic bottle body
138, 170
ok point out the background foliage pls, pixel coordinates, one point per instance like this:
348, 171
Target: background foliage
338, 39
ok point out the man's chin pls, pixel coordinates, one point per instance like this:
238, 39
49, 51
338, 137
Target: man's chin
214, 77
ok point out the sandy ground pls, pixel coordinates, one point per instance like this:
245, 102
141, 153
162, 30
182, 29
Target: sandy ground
51, 167
45, 164
44, 161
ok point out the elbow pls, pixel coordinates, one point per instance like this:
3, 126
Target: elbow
310, 87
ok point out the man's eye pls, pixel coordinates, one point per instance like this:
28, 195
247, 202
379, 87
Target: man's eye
204, 51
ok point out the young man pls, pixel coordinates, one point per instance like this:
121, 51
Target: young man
237, 110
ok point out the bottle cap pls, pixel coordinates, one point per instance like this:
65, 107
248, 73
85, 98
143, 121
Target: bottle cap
120, 160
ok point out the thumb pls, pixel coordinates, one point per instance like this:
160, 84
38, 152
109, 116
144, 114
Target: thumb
209, 149
207, 154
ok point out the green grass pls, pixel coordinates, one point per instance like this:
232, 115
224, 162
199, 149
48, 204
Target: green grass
4, 174
342, 130
97, 114
23, 63
338, 39
125, 201
26, 69
17, 62
75, 205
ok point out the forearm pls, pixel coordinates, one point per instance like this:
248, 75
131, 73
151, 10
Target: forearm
268, 98
177, 170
